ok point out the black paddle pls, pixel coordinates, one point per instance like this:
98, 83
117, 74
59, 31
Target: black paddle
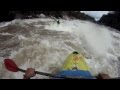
11, 66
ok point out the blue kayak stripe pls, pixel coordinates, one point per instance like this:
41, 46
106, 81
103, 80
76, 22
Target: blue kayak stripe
75, 73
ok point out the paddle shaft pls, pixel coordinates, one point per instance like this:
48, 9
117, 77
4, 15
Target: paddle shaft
51, 75
45, 74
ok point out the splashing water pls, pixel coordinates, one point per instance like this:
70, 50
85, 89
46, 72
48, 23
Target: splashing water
44, 45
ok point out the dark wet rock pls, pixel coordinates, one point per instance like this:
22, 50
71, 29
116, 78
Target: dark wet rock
10, 15
112, 20
119, 58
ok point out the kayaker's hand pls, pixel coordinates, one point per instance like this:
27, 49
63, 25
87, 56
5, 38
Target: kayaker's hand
30, 72
103, 76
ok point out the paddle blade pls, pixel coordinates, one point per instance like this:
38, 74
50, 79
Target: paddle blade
10, 65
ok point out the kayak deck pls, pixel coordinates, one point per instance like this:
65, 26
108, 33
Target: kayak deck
75, 67
75, 61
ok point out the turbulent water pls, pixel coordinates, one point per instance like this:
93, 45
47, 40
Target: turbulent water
44, 45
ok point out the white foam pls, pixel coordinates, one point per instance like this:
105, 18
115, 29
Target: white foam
38, 26
97, 42
21, 37
4, 24
44, 52
5, 34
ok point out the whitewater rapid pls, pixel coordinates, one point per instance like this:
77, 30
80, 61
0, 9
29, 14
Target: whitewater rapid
44, 45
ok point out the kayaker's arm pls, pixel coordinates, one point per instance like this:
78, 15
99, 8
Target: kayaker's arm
30, 72
103, 76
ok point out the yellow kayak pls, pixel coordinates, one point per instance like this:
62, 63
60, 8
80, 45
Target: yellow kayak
75, 61
75, 67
